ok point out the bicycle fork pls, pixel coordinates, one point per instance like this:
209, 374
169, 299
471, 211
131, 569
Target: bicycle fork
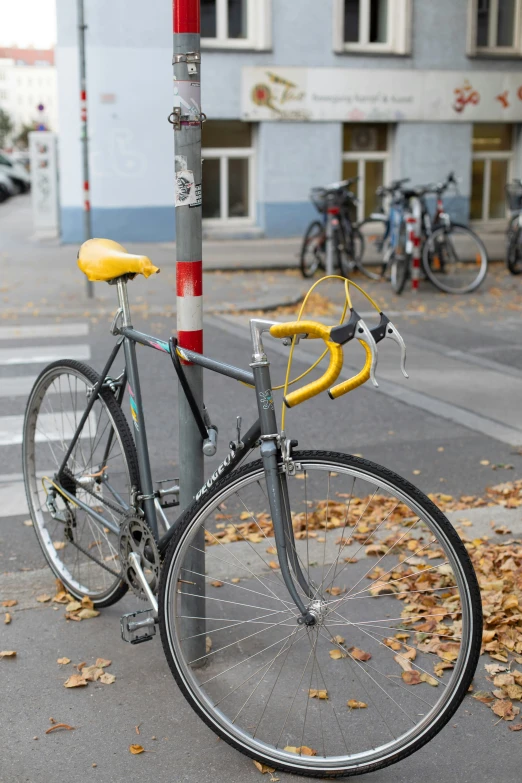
276, 482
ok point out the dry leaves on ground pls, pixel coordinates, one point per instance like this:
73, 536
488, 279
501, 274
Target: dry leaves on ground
7, 618
136, 749
7, 653
353, 704
313, 693
63, 661
62, 726
75, 681
9, 602
302, 751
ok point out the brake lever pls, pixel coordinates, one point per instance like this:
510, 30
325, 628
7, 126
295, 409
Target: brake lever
393, 333
365, 336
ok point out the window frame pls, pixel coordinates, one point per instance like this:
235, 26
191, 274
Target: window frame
360, 158
492, 50
508, 155
399, 30
259, 28
224, 154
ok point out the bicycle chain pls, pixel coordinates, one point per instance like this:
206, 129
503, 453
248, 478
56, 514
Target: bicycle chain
109, 505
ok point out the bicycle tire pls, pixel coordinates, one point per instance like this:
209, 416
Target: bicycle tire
314, 234
44, 382
185, 674
514, 251
429, 251
375, 243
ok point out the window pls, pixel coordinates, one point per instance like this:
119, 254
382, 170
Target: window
495, 28
365, 155
491, 170
228, 172
373, 26
236, 24
3, 95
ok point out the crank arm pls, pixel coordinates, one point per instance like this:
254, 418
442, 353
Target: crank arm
136, 564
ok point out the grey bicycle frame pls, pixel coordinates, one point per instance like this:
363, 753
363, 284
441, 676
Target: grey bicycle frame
263, 431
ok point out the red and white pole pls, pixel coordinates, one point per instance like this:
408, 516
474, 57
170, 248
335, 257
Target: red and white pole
86, 197
416, 229
186, 120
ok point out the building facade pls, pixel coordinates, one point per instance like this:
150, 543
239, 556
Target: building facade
27, 81
297, 94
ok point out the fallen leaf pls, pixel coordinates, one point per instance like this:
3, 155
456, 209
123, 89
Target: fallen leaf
103, 662
43, 599
429, 679
91, 673
335, 590
359, 655
10, 602
7, 653
337, 654
353, 704
73, 606
411, 678
271, 550
216, 583
136, 749
235, 580
517, 727
107, 678
339, 639
273, 564
63, 661
484, 461
87, 614
60, 726
403, 663
59, 545
75, 681
28, 522
208, 644
7, 618
263, 768
416, 472
484, 696
504, 709
313, 693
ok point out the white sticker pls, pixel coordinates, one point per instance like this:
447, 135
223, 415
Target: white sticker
197, 202
181, 160
185, 189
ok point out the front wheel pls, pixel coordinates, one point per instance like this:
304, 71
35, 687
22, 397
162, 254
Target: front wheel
313, 249
514, 251
455, 259
398, 629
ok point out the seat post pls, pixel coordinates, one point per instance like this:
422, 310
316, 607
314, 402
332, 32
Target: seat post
124, 300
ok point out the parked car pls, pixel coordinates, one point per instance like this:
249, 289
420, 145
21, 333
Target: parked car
16, 173
7, 187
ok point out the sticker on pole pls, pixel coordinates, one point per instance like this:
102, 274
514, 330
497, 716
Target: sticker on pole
187, 96
186, 194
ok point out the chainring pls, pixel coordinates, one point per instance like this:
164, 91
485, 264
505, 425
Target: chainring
136, 536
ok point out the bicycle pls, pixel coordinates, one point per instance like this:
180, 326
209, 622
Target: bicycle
389, 236
453, 257
334, 203
295, 661
514, 230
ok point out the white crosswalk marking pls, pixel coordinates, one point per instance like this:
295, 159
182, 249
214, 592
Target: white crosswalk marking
26, 350
42, 354
43, 330
50, 428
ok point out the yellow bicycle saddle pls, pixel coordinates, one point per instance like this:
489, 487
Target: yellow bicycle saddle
103, 259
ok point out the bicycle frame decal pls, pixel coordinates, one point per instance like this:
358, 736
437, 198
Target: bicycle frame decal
133, 408
267, 400
160, 345
214, 477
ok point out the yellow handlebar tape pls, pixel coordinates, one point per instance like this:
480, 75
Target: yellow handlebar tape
312, 329
357, 380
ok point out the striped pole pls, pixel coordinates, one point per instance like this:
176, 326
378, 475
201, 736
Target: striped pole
186, 120
416, 242
86, 197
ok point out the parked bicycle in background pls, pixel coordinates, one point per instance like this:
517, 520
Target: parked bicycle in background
514, 231
453, 257
335, 203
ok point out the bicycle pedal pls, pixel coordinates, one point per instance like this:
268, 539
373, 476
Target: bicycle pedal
138, 627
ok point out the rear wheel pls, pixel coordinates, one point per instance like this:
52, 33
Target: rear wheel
398, 630
101, 473
455, 259
313, 249
400, 263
